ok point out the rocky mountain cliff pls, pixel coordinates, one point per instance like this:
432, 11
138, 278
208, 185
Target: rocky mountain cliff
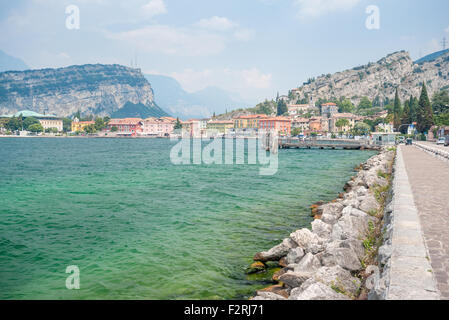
379, 80
92, 89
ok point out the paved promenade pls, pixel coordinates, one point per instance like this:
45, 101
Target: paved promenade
429, 179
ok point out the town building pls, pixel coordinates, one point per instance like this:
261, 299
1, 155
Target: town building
315, 124
301, 123
385, 127
48, 121
282, 125
329, 109
78, 125
352, 120
125, 127
249, 121
221, 126
155, 127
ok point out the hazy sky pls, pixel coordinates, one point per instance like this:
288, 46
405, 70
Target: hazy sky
251, 47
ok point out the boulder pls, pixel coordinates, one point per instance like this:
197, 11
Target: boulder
256, 267
337, 254
307, 240
261, 295
353, 224
276, 289
294, 255
295, 279
369, 204
333, 208
384, 254
316, 291
277, 252
309, 263
279, 273
339, 278
321, 229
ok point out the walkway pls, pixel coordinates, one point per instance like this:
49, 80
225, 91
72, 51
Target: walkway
429, 179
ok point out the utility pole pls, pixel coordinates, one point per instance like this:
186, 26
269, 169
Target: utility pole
443, 43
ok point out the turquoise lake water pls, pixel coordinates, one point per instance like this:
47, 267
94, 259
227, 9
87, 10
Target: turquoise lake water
140, 227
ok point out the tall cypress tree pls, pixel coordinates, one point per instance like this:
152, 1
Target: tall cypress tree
424, 112
397, 111
405, 119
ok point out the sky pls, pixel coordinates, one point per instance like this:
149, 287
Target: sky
252, 48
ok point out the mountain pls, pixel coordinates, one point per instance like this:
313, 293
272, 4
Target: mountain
432, 57
378, 81
9, 63
131, 110
200, 104
92, 89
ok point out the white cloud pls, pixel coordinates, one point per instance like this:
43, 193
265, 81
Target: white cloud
154, 8
243, 34
216, 23
316, 8
228, 79
172, 41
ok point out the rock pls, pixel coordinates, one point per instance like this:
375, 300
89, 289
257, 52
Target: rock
339, 278
309, 263
283, 261
316, 291
295, 279
369, 204
279, 273
329, 219
353, 224
255, 267
294, 255
307, 240
384, 254
276, 289
277, 252
322, 229
261, 295
336, 254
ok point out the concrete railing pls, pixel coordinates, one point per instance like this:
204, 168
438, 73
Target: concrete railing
442, 154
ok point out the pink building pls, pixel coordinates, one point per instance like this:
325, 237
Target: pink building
158, 127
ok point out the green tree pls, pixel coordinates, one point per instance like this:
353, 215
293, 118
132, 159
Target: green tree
66, 125
340, 123
405, 119
281, 108
13, 124
36, 127
295, 131
346, 106
397, 111
413, 104
365, 103
90, 129
361, 129
114, 129
424, 113
178, 124
99, 124
28, 122
440, 102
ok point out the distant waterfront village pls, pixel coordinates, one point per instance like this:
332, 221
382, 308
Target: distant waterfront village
326, 120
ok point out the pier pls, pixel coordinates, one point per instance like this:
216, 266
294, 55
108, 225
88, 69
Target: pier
347, 144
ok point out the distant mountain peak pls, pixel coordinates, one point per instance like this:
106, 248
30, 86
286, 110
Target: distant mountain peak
10, 63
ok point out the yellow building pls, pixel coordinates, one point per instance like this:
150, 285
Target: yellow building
248, 122
222, 126
80, 125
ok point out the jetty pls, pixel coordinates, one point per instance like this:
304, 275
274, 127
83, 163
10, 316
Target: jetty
347, 144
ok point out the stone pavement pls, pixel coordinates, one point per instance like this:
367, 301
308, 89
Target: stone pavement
429, 179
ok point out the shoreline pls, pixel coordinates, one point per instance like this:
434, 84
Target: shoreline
336, 258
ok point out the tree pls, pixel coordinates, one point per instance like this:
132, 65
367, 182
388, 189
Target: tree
13, 124
90, 129
114, 129
397, 111
424, 113
36, 127
413, 104
295, 131
178, 124
66, 125
281, 108
346, 106
361, 129
405, 119
340, 123
440, 102
365, 103
28, 122
99, 124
